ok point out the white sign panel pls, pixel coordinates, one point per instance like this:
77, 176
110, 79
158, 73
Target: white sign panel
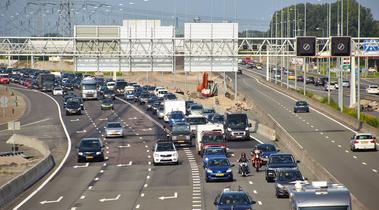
14, 126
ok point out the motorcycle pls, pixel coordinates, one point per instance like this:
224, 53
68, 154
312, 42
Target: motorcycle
244, 169
256, 161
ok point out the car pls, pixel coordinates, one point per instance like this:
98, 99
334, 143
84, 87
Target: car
155, 106
196, 109
208, 111
346, 83
111, 85
217, 119
321, 81
165, 152
286, 178
279, 160
107, 103
109, 94
80, 100
114, 129
266, 151
144, 97
188, 105
169, 96
331, 86
291, 76
372, 89
160, 112
363, 141
218, 169
301, 106
150, 102
175, 117
300, 78
57, 91
310, 80
73, 107
181, 134
213, 152
90, 149
228, 199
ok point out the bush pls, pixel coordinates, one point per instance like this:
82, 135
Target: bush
371, 120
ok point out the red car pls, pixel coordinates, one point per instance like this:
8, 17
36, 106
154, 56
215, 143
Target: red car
28, 83
4, 79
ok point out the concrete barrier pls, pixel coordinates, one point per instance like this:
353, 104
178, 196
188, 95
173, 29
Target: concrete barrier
266, 132
20, 183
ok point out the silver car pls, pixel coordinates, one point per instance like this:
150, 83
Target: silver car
114, 129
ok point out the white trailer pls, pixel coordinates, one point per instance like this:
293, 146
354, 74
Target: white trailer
175, 105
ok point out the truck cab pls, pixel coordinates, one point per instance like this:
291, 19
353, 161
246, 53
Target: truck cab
209, 135
237, 126
319, 195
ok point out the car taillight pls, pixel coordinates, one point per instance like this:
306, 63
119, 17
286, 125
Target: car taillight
372, 141
356, 142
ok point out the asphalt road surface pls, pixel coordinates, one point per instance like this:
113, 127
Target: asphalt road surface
326, 140
127, 178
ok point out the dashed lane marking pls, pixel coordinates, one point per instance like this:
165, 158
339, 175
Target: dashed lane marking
364, 163
260, 203
374, 170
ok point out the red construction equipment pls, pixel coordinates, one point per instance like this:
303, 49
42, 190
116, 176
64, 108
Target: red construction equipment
207, 88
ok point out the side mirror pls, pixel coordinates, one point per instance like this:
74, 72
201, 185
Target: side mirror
278, 150
253, 202
215, 203
306, 178
298, 161
232, 165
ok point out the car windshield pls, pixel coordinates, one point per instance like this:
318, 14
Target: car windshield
266, 148
325, 208
171, 96
212, 139
289, 176
165, 147
89, 87
218, 162
234, 199
180, 128
363, 137
107, 101
177, 115
218, 119
162, 92
373, 86
237, 121
301, 103
214, 151
197, 120
90, 143
114, 125
196, 107
282, 159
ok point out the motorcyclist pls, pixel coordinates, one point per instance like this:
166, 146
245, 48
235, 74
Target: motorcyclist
242, 159
256, 154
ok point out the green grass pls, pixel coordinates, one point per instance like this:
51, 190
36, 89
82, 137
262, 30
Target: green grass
372, 75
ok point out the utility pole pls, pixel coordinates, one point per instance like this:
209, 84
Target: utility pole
65, 18
305, 19
359, 66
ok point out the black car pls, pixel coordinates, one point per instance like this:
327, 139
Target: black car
109, 94
277, 161
321, 81
151, 101
144, 97
90, 149
73, 107
155, 106
66, 98
286, 178
310, 80
188, 106
217, 119
301, 106
169, 96
81, 102
107, 103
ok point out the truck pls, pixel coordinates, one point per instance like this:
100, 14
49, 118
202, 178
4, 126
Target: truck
45, 81
88, 88
175, 105
237, 126
209, 135
319, 195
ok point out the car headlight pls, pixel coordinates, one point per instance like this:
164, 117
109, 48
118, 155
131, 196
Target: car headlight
206, 159
175, 155
188, 137
98, 153
229, 129
247, 128
80, 153
229, 170
280, 186
209, 171
156, 155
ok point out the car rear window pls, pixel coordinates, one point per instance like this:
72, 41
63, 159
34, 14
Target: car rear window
114, 125
363, 137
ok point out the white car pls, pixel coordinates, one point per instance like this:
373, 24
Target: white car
114, 129
363, 141
165, 152
372, 89
57, 91
111, 85
332, 86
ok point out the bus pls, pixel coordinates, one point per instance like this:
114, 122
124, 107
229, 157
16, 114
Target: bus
88, 88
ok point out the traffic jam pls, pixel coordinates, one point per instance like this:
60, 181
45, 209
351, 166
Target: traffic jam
189, 124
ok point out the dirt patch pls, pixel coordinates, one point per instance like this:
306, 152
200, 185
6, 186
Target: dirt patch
16, 105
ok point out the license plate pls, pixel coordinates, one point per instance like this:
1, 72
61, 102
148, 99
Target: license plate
364, 142
219, 174
89, 157
180, 141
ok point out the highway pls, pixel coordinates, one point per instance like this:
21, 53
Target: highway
127, 179
326, 140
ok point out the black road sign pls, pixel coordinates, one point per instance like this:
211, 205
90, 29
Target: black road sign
340, 46
305, 46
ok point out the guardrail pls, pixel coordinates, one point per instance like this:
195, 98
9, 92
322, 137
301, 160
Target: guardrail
17, 185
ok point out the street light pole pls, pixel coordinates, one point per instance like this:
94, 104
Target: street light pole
359, 65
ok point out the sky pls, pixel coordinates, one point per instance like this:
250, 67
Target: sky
251, 14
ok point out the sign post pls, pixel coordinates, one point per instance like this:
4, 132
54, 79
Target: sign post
4, 103
13, 126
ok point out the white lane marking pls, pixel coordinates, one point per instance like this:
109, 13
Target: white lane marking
312, 126
149, 169
255, 192
82, 197
326, 137
347, 151
110, 199
145, 185
168, 197
137, 207
104, 164
339, 146
355, 157
76, 120
149, 163
142, 194
124, 146
54, 201
148, 177
82, 131
250, 182
90, 187
316, 129
73, 208
147, 150
307, 123
146, 146
97, 179
364, 163
321, 133
260, 203
374, 170
82, 166
61, 163
122, 165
